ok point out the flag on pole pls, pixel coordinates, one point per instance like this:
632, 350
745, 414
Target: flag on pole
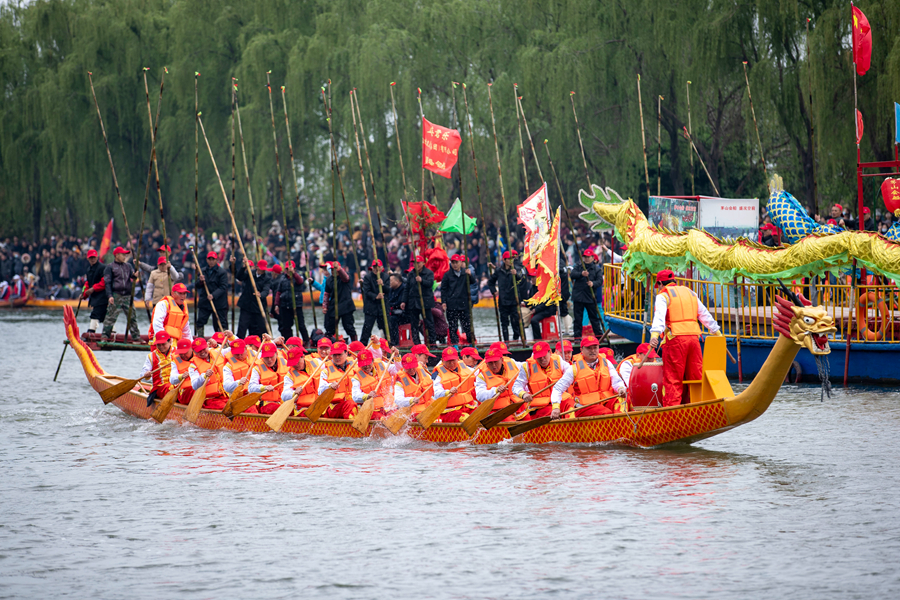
896, 123
541, 251
862, 41
859, 127
106, 240
455, 219
440, 147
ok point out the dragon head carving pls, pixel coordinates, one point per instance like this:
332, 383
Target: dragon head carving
807, 325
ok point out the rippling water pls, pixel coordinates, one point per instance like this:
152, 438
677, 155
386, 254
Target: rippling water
801, 503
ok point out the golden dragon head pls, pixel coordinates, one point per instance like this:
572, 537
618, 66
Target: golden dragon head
807, 325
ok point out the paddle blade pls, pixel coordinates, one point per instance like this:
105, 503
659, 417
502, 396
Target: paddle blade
492, 419
362, 418
318, 408
431, 412
396, 420
121, 388
474, 420
163, 408
193, 410
276, 421
242, 404
528, 426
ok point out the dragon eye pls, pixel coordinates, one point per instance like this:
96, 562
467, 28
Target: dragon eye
809, 320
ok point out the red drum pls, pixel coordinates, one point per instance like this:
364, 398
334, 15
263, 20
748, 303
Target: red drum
640, 386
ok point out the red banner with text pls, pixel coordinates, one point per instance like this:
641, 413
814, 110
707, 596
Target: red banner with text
440, 148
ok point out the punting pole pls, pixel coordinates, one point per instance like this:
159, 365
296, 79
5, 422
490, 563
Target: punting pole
334, 246
658, 144
643, 134
700, 158
462, 207
812, 127
66, 343
762, 157
690, 131
580, 144
505, 216
196, 180
480, 204
234, 224
153, 129
537, 163
237, 113
233, 200
362, 131
340, 179
521, 145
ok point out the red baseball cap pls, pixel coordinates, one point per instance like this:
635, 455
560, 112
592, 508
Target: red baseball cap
199, 345
120, 250
338, 348
449, 354
420, 258
356, 347
457, 257
540, 349
180, 288
161, 260
238, 347
588, 341
293, 341
262, 265
664, 276
866, 210
212, 254
501, 347
364, 358
294, 355
250, 262
506, 255
218, 337
164, 249
289, 265
276, 269
161, 337
514, 253
838, 206
643, 348
324, 343
91, 253
409, 361
268, 349
384, 345
376, 263
470, 352
563, 346
608, 353
183, 346
421, 349
493, 354
832, 222
590, 253
252, 340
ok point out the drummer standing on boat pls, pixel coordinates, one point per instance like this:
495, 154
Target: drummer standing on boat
677, 314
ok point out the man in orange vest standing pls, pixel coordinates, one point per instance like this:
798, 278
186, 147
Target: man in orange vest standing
171, 315
677, 314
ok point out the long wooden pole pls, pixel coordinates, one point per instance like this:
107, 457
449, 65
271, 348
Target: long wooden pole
690, 131
762, 157
521, 145
430, 174
334, 246
234, 224
700, 158
505, 217
659, 145
465, 248
162, 216
233, 197
812, 126
643, 134
362, 131
537, 163
287, 125
399, 150
287, 240
484, 237
237, 113
340, 179
196, 180
206, 289
580, 144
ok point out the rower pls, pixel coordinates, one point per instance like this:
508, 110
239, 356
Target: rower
184, 353
629, 362
171, 315
356, 347
364, 383
411, 383
206, 370
470, 358
564, 350
452, 378
216, 340
495, 379
323, 351
538, 372
160, 356
253, 343
299, 376
590, 379
678, 310
265, 377
236, 370
332, 376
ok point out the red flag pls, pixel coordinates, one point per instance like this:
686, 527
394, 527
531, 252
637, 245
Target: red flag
859, 127
107, 239
439, 148
862, 42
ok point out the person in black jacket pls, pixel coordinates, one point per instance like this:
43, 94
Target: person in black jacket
396, 296
587, 286
374, 282
501, 285
251, 320
217, 284
118, 277
421, 278
345, 306
95, 286
282, 305
455, 298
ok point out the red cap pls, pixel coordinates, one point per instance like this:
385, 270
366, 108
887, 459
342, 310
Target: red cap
180, 288
839, 207
161, 260
506, 255
493, 354
91, 253
252, 340
563, 346
238, 347
212, 254
164, 249
376, 263
540, 349
276, 269
421, 349
294, 355
183, 346
588, 341
199, 345
767, 226
218, 337
262, 265
664, 276
268, 349
120, 250
384, 345
409, 361
324, 343
338, 348
420, 258
364, 358
608, 353
832, 222
449, 354
293, 341
470, 352
501, 347
642, 348
290, 265
250, 262
866, 210
457, 257
356, 347
590, 253
161, 337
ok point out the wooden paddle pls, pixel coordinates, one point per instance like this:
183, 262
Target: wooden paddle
318, 408
361, 421
242, 404
495, 418
123, 387
397, 419
168, 401
437, 407
192, 412
484, 409
539, 422
236, 393
277, 419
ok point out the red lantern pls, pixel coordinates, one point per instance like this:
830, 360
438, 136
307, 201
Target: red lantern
890, 191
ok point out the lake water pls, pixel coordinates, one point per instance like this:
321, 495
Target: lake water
801, 503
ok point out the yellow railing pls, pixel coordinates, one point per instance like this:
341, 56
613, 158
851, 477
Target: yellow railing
745, 308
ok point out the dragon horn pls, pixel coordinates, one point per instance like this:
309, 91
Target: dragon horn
790, 294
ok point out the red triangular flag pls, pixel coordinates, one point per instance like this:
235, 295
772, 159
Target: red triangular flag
862, 41
105, 242
859, 127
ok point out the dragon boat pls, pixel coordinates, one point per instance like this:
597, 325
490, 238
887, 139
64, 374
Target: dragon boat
712, 406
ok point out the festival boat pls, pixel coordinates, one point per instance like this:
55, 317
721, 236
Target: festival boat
16, 303
711, 408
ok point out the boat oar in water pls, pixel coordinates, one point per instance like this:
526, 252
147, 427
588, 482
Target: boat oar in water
318, 408
540, 422
168, 401
397, 419
123, 387
276, 421
242, 404
240, 389
470, 425
437, 407
493, 419
361, 421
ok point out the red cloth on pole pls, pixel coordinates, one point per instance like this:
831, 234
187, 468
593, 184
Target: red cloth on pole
859, 127
440, 148
862, 43
682, 360
105, 242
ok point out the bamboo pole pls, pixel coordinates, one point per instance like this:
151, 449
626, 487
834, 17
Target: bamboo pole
690, 131
237, 113
196, 179
337, 170
659, 145
362, 131
430, 173
537, 163
399, 150
233, 198
700, 158
521, 145
162, 216
334, 246
505, 216
762, 157
643, 135
481, 205
812, 127
462, 208
234, 224
580, 144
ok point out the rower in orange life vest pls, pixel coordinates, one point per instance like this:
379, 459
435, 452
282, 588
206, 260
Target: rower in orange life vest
161, 355
453, 379
470, 357
332, 376
236, 369
496, 377
564, 350
266, 377
365, 381
300, 377
539, 371
323, 351
206, 369
413, 386
678, 310
171, 315
589, 378
628, 363
184, 354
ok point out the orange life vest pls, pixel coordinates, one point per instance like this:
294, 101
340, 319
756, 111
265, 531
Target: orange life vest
590, 384
681, 316
160, 379
510, 372
214, 383
413, 388
174, 321
631, 359
367, 384
451, 379
307, 385
539, 378
333, 375
239, 368
269, 376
